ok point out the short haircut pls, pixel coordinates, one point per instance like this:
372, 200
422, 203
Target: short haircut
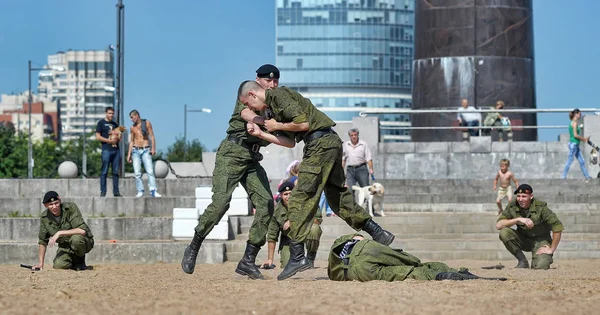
109, 108
134, 112
247, 86
353, 130
500, 102
505, 161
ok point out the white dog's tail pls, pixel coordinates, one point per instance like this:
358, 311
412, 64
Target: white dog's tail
357, 188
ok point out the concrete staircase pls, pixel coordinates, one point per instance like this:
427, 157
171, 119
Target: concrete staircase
434, 219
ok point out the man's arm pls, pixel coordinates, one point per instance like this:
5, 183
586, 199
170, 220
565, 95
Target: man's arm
59, 234
510, 222
555, 240
273, 125
41, 256
151, 137
254, 130
130, 149
370, 163
270, 253
250, 116
368, 158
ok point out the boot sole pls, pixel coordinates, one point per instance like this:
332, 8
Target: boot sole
304, 268
243, 273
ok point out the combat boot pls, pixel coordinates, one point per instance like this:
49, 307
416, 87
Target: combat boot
378, 234
188, 263
79, 263
311, 258
523, 263
297, 263
246, 266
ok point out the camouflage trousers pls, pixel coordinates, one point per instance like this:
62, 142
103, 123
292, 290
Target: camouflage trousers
514, 242
235, 164
321, 170
69, 251
312, 244
379, 262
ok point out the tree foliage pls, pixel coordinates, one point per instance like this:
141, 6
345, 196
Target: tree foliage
48, 155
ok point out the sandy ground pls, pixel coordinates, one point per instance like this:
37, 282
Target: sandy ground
570, 287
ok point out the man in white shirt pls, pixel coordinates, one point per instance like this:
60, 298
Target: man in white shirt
356, 158
468, 119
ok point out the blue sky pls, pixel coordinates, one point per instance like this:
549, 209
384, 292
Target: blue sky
197, 52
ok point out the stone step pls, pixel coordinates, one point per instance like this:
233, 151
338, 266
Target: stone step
90, 187
119, 252
327, 238
488, 207
441, 255
485, 198
101, 206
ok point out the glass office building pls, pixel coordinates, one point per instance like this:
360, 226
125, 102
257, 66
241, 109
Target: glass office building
349, 54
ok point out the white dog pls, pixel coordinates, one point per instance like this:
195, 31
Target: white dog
373, 195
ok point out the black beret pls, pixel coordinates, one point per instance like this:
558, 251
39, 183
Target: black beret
524, 189
286, 186
268, 71
50, 196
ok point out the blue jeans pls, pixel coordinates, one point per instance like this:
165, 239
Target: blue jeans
139, 156
474, 123
324, 204
575, 152
112, 157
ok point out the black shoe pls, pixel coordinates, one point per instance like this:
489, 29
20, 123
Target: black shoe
246, 266
297, 263
311, 258
79, 263
102, 194
188, 263
378, 234
118, 195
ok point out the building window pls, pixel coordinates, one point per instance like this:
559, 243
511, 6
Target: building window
279, 49
299, 63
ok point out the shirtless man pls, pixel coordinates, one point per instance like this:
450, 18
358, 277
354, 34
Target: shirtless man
142, 147
504, 175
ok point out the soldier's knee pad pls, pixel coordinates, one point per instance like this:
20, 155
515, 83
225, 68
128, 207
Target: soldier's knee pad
506, 234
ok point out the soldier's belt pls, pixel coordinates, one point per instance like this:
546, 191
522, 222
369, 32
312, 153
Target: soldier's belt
317, 134
254, 148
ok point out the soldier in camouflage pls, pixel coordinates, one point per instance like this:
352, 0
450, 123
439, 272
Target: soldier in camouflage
320, 170
237, 161
534, 221
352, 258
280, 225
63, 225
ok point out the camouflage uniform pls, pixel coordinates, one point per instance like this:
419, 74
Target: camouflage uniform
276, 227
238, 164
321, 167
523, 239
369, 260
70, 248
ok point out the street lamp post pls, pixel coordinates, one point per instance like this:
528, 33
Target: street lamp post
185, 111
29, 101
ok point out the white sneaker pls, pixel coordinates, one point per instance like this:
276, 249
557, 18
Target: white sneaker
155, 194
139, 194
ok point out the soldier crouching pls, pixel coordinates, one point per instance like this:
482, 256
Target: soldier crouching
62, 224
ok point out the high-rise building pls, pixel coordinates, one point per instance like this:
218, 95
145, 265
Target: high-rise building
349, 53
87, 80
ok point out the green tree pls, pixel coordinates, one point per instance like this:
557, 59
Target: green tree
176, 152
13, 153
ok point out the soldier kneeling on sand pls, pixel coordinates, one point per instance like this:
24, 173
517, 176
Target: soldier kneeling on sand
534, 221
354, 258
62, 224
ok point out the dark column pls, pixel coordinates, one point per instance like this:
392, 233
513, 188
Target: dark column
481, 50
